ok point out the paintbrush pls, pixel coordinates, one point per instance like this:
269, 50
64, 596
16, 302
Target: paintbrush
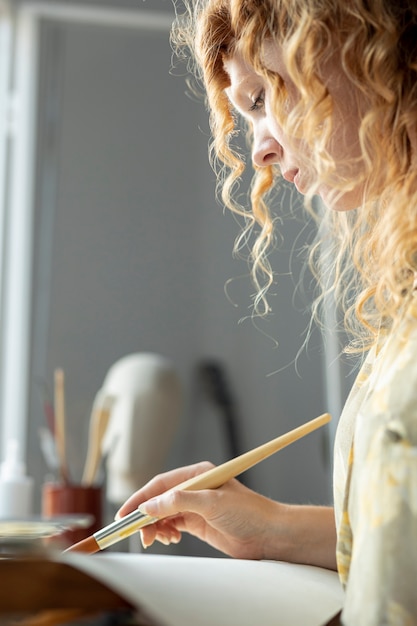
99, 420
60, 428
212, 479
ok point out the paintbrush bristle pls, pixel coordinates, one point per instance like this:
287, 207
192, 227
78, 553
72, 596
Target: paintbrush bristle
88, 546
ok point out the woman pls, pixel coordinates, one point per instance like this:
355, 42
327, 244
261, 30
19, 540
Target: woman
327, 90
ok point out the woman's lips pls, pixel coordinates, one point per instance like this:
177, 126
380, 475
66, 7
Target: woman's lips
298, 182
290, 175
294, 176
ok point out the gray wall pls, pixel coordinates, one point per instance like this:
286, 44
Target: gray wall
132, 254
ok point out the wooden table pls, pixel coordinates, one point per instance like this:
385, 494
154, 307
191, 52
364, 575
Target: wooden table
39, 591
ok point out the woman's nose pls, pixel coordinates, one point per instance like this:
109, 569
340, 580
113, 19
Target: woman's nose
266, 150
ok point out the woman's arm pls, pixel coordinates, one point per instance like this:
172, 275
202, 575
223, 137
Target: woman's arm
235, 520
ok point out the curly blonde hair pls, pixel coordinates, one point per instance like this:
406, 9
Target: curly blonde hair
372, 250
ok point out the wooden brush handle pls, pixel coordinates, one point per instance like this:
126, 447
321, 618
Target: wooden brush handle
60, 428
99, 421
222, 473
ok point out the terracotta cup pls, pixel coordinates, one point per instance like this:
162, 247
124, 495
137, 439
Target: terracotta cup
65, 499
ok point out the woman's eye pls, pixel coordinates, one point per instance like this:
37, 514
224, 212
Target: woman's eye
258, 102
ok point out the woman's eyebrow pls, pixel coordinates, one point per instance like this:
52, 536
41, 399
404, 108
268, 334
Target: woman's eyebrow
241, 92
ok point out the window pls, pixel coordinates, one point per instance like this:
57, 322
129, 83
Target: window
22, 29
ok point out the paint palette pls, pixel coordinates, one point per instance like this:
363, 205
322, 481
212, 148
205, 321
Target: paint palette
17, 535
39, 527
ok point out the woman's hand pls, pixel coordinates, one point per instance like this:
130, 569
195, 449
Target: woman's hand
235, 520
232, 518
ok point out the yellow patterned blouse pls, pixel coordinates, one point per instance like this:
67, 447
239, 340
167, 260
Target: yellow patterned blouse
375, 485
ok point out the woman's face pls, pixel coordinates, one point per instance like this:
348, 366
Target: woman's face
253, 97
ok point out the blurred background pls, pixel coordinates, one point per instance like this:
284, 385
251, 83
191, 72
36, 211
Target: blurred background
113, 243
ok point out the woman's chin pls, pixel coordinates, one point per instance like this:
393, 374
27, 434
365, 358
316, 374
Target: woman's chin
341, 202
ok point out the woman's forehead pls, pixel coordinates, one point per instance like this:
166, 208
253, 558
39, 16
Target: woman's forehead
270, 57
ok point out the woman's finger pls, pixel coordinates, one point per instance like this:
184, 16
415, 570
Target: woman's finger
161, 483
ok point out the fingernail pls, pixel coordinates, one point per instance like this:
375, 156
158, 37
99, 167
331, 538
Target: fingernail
117, 516
149, 508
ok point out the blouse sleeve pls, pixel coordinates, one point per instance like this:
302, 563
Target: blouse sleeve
382, 583
382, 580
